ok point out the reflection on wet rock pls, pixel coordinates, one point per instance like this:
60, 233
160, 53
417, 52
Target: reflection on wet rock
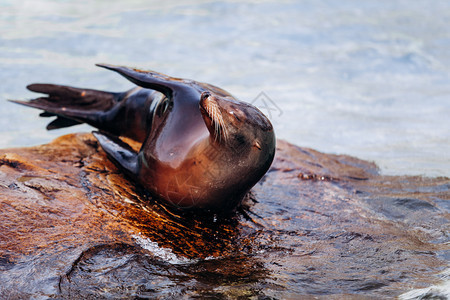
73, 227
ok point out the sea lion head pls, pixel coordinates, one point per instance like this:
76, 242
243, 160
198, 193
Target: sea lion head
235, 124
244, 140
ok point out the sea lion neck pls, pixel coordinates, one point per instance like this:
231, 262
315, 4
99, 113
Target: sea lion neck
177, 132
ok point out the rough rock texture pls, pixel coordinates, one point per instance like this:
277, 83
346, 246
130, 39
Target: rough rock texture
72, 226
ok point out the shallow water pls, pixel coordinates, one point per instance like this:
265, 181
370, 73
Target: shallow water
368, 78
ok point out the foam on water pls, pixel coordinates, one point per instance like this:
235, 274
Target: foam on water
164, 254
438, 291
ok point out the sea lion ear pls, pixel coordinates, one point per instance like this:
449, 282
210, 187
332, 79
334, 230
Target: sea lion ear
148, 79
119, 152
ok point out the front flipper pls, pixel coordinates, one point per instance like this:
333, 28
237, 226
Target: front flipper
150, 79
120, 153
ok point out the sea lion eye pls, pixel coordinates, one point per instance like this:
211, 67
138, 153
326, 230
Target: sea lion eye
235, 116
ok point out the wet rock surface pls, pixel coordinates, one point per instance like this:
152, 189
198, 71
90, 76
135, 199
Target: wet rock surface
317, 224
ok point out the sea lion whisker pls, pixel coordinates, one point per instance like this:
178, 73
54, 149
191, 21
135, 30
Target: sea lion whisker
223, 128
220, 130
214, 120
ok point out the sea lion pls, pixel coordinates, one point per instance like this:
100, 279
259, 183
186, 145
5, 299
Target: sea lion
201, 147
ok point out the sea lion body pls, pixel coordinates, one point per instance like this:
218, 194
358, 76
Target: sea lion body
201, 148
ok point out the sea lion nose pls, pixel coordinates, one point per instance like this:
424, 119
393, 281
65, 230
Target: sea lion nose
205, 101
204, 96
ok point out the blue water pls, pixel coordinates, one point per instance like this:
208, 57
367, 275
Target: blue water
366, 78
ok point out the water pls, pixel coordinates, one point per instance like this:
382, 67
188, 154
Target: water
368, 78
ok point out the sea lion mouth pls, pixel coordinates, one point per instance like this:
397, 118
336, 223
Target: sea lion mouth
213, 117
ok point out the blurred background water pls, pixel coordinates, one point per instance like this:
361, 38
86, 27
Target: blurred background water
366, 78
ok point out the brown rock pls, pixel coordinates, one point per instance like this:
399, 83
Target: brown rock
72, 226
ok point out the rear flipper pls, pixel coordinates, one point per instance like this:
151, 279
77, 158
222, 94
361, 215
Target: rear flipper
59, 122
71, 105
